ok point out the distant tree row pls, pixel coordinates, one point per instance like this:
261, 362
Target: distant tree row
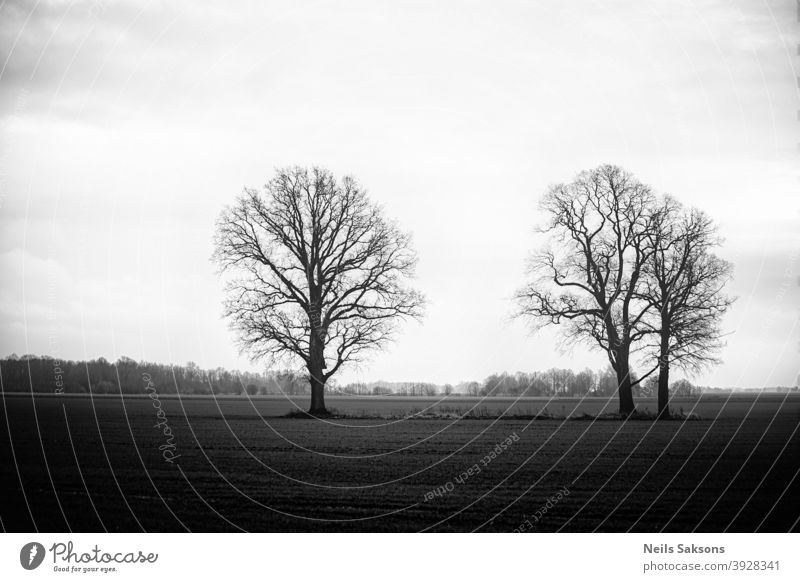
395, 388
566, 383
44, 374
553, 382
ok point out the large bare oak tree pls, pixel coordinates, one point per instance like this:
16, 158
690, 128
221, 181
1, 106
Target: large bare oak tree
589, 273
320, 274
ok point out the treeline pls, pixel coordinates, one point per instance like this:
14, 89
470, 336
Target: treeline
45, 374
392, 388
553, 382
51, 375
568, 383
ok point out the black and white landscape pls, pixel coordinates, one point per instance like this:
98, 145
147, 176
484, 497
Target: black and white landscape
399, 267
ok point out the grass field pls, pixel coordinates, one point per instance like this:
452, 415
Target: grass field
98, 463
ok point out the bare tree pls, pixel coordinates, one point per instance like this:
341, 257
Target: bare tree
684, 283
589, 273
320, 269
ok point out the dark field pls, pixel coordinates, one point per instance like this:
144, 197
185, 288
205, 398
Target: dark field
93, 464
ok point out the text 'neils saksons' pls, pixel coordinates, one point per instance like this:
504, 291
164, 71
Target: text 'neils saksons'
682, 549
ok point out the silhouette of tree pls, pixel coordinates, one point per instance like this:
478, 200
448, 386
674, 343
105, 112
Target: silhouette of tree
588, 275
684, 283
319, 268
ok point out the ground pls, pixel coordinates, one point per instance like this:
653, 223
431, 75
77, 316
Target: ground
100, 463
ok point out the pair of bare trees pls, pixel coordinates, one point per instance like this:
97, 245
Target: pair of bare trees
323, 275
631, 274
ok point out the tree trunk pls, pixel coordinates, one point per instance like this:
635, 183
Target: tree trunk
663, 372
316, 367
619, 362
317, 396
626, 406
663, 391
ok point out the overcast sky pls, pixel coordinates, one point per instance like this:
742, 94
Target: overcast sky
125, 127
